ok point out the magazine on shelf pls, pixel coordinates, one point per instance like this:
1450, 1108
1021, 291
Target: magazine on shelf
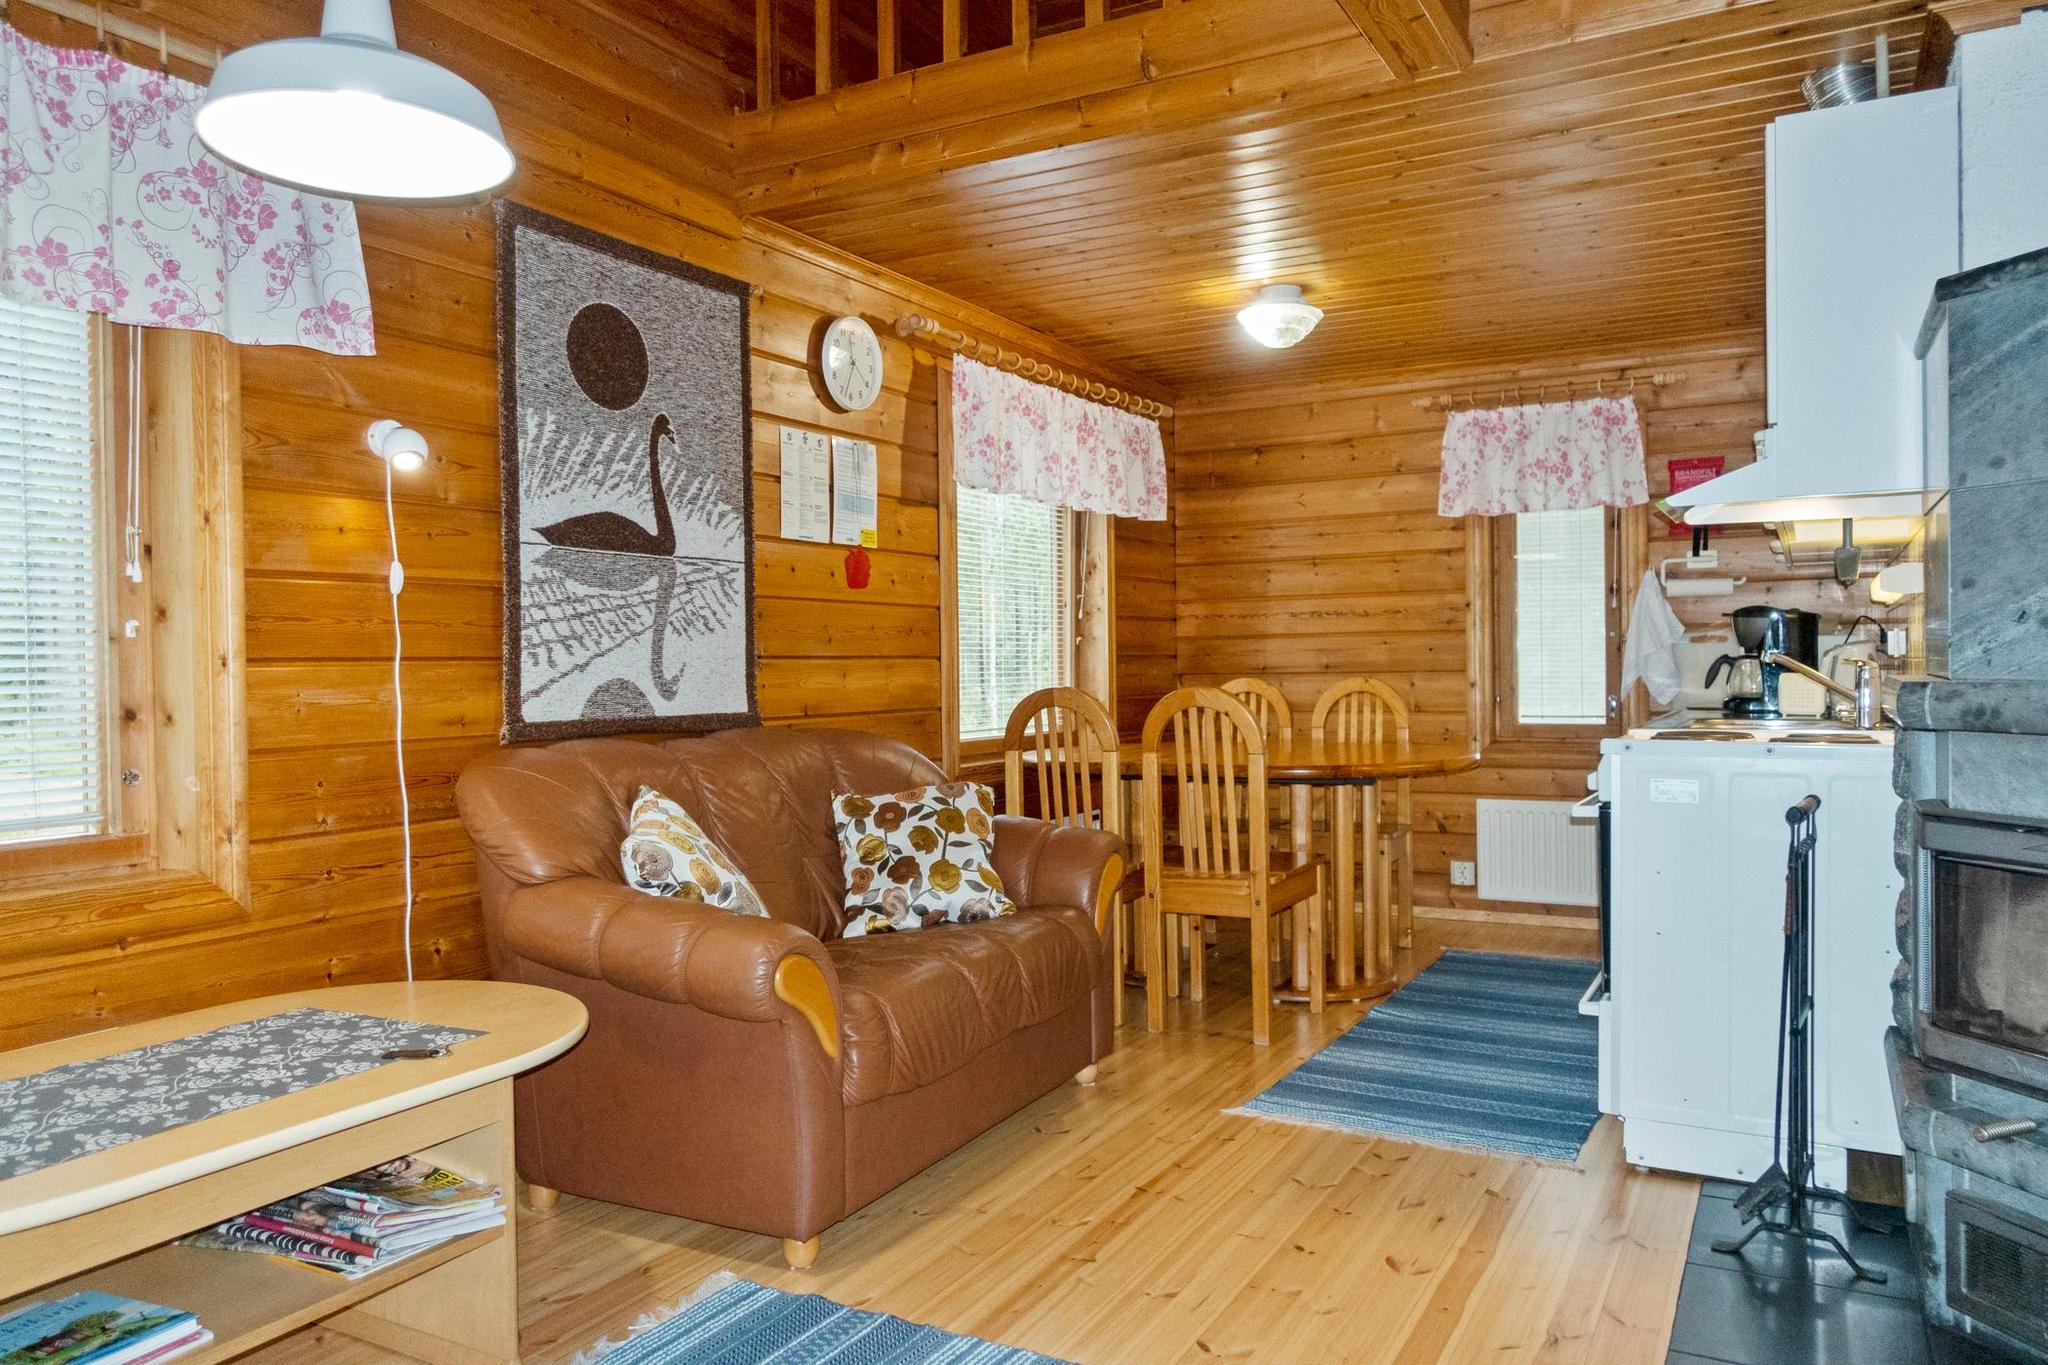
365, 1221
97, 1329
409, 1183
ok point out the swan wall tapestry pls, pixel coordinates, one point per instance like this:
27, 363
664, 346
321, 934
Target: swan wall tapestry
624, 434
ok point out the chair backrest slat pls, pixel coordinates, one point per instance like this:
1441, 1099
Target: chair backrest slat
1360, 710
1267, 704
1210, 747
1076, 757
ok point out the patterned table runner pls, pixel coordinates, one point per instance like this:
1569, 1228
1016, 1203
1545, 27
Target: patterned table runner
68, 1111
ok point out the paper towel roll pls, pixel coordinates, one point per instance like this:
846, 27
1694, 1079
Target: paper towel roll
1698, 587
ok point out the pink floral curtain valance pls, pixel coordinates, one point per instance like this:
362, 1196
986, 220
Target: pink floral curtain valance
109, 203
1013, 436
1543, 457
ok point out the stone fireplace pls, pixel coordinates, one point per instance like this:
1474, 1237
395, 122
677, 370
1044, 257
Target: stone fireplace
1969, 1052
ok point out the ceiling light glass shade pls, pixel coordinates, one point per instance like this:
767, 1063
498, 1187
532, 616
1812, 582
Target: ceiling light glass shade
1279, 318
347, 113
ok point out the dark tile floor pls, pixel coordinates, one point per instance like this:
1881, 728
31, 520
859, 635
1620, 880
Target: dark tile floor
1783, 1305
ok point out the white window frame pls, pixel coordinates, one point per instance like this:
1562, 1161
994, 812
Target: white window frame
1507, 619
971, 506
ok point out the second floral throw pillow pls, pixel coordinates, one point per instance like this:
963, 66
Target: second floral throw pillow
918, 858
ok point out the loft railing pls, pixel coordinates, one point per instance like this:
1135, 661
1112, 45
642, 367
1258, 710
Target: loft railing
899, 34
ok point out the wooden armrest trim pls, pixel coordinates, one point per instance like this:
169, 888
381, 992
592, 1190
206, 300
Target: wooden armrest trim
1106, 893
800, 985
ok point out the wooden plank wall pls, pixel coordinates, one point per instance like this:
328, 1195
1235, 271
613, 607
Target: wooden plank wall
1309, 549
1146, 657
325, 862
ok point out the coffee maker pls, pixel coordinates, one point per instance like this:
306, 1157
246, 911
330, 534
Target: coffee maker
1753, 682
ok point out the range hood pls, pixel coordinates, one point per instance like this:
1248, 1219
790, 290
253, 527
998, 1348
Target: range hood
1760, 492
1861, 209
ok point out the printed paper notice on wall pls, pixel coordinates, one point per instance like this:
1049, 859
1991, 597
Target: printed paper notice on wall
806, 485
854, 519
1690, 471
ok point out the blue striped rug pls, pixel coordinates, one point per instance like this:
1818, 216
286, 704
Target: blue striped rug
1481, 1050
729, 1321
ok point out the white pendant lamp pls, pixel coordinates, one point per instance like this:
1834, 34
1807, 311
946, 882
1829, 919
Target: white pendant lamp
1279, 317
347, 113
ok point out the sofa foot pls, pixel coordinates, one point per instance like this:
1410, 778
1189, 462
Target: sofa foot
1085, 1076
800, 1255
540, 1198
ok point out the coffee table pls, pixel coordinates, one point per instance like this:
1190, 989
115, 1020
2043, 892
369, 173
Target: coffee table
103, 1220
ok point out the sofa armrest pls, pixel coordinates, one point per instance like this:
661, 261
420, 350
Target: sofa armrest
1047, 864
738, 966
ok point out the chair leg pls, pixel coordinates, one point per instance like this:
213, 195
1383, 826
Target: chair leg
1085, 1076
800, 1255
1198, 967
1262, 978
1174, 934
540, 1198
1319, 962
1390, 914
1117, 911
1155, 965
1407, 888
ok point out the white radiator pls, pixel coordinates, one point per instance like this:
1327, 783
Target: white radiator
1535, 851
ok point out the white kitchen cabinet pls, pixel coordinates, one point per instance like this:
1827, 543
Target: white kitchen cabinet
1861, 218
1689, 1031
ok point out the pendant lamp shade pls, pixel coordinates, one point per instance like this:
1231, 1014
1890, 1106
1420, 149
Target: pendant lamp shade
349, 114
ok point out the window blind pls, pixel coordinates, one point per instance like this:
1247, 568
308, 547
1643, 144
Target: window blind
1561, 617
1016, 605
51, 784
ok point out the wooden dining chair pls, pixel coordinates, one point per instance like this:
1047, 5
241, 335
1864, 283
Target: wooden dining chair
1268, 705
1075, 769
1209, 747
1270, 708
1366, 709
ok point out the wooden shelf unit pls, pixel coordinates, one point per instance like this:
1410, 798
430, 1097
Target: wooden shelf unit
247, 1300
109, 1220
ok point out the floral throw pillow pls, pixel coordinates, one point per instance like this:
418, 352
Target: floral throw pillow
666, 853
919, 858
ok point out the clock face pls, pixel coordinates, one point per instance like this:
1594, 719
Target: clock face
851, 363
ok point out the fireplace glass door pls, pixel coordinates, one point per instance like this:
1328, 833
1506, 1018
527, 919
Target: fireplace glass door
1990, 926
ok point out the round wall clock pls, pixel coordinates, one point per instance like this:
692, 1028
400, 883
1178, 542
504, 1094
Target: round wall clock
850, 362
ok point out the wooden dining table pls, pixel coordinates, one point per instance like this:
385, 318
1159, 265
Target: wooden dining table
1362, 947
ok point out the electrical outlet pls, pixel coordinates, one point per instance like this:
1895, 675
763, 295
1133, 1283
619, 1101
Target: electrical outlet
1464, 873
1893, 641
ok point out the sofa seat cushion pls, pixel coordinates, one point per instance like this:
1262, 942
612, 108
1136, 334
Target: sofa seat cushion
914, 1008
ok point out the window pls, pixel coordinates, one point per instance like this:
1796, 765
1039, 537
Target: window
53, 580
1555, 623
1016, 587
121, 712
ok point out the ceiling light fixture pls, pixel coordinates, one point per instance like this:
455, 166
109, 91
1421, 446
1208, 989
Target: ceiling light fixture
347, 113
1280, 317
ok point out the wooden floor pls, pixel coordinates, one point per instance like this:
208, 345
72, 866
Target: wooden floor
1135, 1222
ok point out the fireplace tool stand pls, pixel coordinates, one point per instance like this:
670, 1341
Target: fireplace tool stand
1780, 1200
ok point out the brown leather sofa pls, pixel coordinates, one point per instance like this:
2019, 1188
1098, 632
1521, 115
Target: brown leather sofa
767, 1074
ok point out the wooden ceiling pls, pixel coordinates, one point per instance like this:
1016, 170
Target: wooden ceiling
1593, 183
1592, 197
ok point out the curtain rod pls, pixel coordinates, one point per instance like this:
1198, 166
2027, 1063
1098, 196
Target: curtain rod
1477, 397
107, 25
1016, 362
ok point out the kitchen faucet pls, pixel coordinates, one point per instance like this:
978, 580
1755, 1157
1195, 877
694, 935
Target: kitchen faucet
1864, 695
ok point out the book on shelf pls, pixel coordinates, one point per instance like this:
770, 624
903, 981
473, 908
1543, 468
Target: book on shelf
361, 1222
97, 1329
